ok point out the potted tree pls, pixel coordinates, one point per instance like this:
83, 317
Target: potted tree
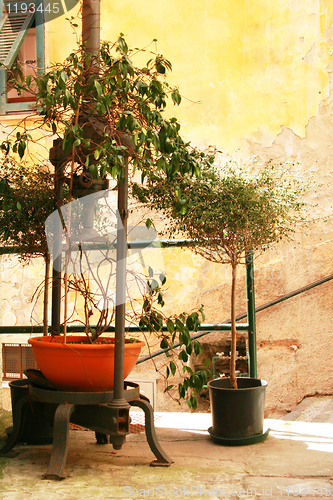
229, 213
105, 116
26, 200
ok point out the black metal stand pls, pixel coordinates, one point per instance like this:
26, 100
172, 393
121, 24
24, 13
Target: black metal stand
94, 411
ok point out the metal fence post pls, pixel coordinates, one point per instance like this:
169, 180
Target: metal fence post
251, 315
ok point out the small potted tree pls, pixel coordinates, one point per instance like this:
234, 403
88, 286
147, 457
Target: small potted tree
229, 213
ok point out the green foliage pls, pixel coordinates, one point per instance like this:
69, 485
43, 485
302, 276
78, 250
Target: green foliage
230, 211
26, 200
176, 342
18, 145
95, 104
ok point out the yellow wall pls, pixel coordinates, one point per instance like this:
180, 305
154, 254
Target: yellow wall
246, 66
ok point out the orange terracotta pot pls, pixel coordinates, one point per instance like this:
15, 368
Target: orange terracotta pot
81, 367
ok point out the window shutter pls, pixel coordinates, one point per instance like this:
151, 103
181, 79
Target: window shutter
13, 31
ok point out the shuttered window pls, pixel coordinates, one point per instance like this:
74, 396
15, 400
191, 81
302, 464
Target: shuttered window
21, 46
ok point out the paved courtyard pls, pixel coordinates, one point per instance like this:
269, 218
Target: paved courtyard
296, 460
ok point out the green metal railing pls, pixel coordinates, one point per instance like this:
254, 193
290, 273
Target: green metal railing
204, 329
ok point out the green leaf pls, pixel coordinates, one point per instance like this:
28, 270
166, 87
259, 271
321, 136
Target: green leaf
169, 388
160, 299
160, 68
21, 148
93, 169
179, 325
197, 347
173, 367
68, 142
18, 205
149, 223
183, 356
176, 97
190, 323
63, 76
123, 69
122, 45
181, 390
142, 87
164, 344
98, 88
150, 272
77, 88
170, 326
197, 383
154, 284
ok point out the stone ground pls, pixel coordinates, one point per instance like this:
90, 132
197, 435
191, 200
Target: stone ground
296, 460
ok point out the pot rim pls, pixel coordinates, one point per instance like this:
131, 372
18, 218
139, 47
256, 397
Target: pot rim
262, 384
57, 342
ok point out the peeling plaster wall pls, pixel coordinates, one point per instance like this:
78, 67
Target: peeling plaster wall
295, 373
256, 79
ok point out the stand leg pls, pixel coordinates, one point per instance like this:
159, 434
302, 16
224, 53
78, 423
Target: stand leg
162, 458
18, 428
60, 442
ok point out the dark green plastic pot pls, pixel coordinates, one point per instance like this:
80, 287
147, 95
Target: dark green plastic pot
38, 417
237, 413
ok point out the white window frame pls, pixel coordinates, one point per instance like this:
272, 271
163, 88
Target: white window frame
15, 42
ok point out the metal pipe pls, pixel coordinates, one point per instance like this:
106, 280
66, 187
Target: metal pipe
205, 328
122, 217
294, 293
107, 246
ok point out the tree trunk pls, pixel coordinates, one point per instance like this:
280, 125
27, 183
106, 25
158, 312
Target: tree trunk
46, 295
91, 26
233, 380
